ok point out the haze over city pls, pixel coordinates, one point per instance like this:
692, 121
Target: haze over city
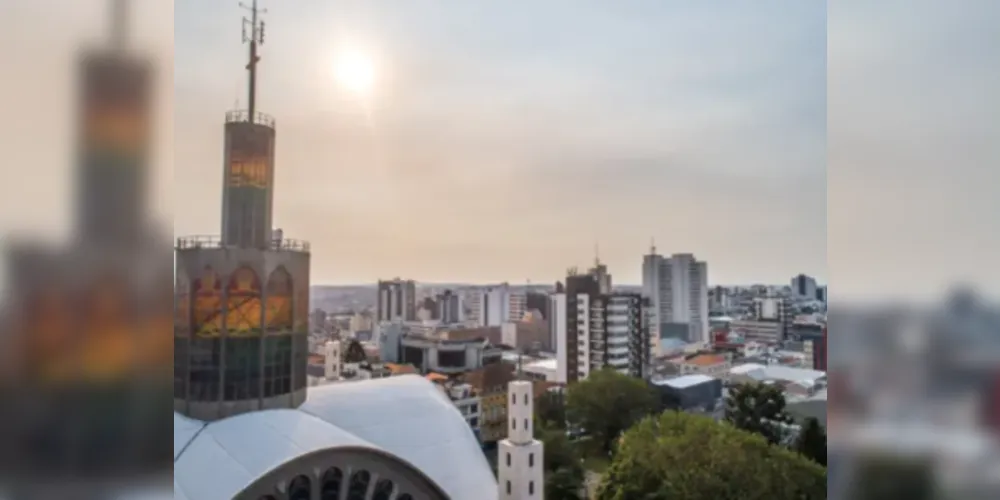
521, 137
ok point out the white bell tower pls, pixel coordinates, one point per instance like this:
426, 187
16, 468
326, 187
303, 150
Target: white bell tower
521, 456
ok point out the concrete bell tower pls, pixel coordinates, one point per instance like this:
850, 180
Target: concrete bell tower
520, 455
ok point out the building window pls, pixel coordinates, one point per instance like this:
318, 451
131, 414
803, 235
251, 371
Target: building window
508, 459
531, 487
531, 459
526, 424
513, 423
525, 399
508, 487
513, 399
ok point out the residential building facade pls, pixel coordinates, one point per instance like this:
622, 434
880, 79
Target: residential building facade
677, 288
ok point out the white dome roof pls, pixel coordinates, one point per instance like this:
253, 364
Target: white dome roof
405, 416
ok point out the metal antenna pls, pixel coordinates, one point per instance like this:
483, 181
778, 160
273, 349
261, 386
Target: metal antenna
119, 23
253, 32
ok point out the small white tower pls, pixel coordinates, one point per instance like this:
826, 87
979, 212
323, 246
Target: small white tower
332, 361
520, 455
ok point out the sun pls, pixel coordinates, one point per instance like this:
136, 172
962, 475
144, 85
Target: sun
355, 72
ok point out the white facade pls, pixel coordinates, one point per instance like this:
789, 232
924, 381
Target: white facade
216, 460
333, 361
557, 329
583, 346
521, 456
497, 305
677, 288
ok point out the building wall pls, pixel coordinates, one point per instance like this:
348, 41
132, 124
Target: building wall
677, 288
701, 396
557, 331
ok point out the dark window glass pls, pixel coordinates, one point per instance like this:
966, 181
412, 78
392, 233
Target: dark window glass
332, 479
383, 490
300, 488
359, 485
205, 364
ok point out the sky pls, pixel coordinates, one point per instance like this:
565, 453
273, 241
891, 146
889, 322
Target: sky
504, 141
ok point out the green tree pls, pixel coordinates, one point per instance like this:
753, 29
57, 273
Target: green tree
607, 403
354, 353
679, 456
811, 441
550, 410
563, 484
878, 477
563, 470
759, 408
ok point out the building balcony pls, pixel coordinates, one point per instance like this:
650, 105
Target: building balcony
243, 116
212, 241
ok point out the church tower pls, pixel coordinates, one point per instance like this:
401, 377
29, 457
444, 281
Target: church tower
521, 455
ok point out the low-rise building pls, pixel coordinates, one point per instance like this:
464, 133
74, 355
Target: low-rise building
712, 365
542, 370
490, 383
463, 396
690, 393
436, 354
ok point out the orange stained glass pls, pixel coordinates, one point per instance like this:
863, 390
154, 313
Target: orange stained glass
278, 313
207, 304
248, 172
116, 127
244, 303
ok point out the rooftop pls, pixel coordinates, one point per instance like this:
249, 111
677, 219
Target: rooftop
219, 459
706, 360
778, 373
684, 381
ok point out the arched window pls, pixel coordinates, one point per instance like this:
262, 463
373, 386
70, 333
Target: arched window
383, 490
359, 485
300, 488
332, 479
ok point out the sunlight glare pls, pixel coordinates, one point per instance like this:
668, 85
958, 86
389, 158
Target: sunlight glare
355, 72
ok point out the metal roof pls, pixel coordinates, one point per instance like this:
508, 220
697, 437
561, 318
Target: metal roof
405, 416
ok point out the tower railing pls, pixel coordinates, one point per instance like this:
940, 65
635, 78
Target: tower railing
213, 241
243, 116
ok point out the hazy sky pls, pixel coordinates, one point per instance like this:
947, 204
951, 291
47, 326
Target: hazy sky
504, 139
504, 142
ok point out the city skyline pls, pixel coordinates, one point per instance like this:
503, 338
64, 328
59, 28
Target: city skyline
479, 146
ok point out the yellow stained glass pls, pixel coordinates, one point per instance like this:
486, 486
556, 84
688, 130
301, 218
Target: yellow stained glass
248, 173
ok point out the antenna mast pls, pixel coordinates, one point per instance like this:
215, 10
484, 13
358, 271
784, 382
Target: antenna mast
253, 32
119, 23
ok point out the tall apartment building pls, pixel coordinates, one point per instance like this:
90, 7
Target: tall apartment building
397, 300
449, 308
804, 286
677, 289
494, 306
592, 330
774, 310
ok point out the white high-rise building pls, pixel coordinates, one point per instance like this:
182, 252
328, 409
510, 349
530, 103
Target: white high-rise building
557, 330
520, 458
677, 288
497, 305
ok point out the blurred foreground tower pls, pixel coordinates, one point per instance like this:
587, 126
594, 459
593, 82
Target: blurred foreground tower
242, 299
91, 320
90, 309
